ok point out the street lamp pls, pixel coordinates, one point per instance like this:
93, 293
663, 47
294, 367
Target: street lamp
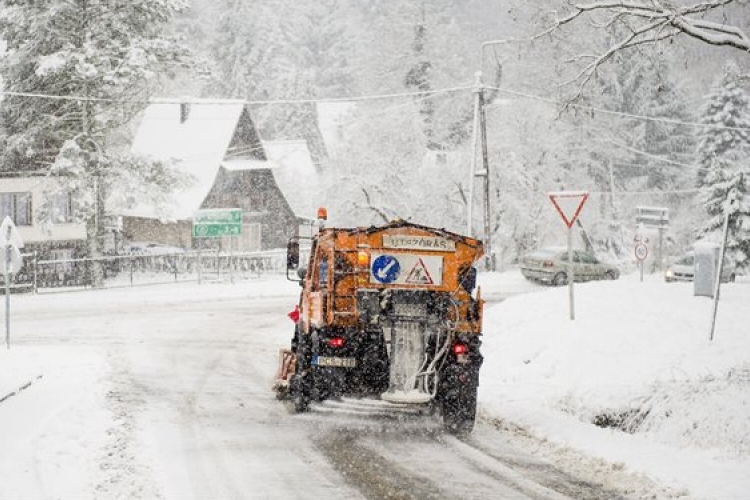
480, 135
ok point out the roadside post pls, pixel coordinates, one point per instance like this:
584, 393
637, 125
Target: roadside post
569, 205
216, 223
641, 251
654, 218
719, 269
11, 261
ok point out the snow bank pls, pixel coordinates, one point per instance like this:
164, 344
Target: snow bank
17, 371
636, 359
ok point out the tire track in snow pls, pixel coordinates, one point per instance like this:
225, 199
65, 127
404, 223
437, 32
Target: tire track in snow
123, 474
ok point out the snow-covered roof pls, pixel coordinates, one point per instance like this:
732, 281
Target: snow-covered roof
296, 175
199, 144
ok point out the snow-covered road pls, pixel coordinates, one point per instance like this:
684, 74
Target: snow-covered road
166, 394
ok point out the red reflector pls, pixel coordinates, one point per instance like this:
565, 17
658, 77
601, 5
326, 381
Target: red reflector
460, 349
548, 263
337, 342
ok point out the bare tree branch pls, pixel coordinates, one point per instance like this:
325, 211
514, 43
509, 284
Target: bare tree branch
632, 39
383, 215
646, 22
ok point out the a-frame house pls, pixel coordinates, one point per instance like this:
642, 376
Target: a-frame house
216, 144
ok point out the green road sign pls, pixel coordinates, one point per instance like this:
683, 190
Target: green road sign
217, 222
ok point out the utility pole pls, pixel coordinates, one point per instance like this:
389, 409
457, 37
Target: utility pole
486, 174
480, 134
473, 156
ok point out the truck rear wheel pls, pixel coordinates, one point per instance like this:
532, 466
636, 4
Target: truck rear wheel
300, 392
459, 411
301, 385
458, 397
301, 403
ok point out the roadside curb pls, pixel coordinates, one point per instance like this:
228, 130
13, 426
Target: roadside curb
20, 389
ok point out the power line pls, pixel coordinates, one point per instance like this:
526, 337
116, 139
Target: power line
621, 114
230, 102
372, 97
648, 155
650, 193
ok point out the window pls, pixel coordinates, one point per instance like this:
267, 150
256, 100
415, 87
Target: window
587, 258
64, 255
257, 201
62, 208
17, 206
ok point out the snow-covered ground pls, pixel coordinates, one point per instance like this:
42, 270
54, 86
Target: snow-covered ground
637, 356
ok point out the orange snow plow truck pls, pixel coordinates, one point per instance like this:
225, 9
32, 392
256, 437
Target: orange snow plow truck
388, 312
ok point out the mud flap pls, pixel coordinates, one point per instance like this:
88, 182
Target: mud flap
284, 373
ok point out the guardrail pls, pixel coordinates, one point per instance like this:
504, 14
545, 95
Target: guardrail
46, 275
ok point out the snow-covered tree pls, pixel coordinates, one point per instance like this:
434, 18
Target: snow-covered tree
724, 159
96, 61
240, 49
659, 150
727, 120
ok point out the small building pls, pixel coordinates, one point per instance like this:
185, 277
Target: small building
216, 143
61, 238
21, 197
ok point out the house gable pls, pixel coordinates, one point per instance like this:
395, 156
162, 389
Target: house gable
197, 137
245, 141
218, 143
256, 192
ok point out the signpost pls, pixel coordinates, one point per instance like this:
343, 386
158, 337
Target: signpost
654, 218
569, 205
217, 222
641, 251
10, 262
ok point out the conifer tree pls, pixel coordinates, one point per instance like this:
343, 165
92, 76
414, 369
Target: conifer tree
725, 115
724, 159
98, 60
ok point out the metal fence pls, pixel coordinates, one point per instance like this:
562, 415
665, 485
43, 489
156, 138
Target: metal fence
40, 275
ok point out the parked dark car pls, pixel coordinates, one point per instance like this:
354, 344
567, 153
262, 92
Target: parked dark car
550, 265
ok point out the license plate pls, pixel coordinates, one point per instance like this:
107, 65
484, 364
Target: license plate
334, 361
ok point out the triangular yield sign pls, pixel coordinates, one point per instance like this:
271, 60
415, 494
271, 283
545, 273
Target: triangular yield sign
419, 275
569, 204
9, 234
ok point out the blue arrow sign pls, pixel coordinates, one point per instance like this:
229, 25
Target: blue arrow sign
386, 269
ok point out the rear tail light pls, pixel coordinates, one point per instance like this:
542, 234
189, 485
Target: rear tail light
337, 342
548, 263
461, 351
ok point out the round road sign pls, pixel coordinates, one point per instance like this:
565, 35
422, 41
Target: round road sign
386, 269
641, 251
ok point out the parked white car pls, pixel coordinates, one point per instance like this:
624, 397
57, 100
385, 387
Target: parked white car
550, 265
684, 270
